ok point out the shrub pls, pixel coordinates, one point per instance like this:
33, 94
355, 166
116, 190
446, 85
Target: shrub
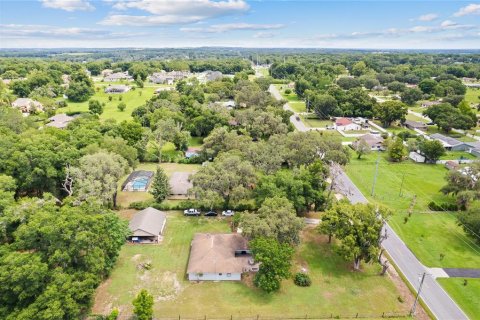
442, 206
288, 91
302, 280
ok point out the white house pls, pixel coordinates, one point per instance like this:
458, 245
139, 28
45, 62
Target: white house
219, 257
345, 124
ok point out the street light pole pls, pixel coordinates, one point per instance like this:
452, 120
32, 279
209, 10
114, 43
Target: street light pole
412, 312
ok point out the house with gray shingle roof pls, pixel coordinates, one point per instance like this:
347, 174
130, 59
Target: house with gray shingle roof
147, 226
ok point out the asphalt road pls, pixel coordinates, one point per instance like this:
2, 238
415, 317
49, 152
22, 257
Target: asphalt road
299, 125
437, 300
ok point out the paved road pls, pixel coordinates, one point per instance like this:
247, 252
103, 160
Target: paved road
437, 300
299, 125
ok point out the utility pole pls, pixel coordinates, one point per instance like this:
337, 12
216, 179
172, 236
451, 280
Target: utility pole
375, 177
412, 312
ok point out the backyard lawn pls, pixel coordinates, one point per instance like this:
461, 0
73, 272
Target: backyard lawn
413, 117
426, 233
336, 290
466, 296
132, 98
455, 155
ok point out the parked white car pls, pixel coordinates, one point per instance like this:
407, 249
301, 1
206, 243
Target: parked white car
191, 212
228, 213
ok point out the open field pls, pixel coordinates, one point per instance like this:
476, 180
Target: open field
466, 296
472, 95
294, 101
455, 155
124, 198
430, 234
314, 122
132, 98
335, 290
426, 233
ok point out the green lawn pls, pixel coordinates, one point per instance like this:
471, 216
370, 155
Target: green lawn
426, 234
422, 180
472, 95
413, 117
466, 296
195, 141
430, 234
297, 104
335, 289
132, 98
455, 155
314, 122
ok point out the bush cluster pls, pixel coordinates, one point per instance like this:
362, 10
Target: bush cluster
302, 280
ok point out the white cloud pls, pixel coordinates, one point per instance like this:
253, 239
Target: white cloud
428, 17
264, 35
473, 8
173, 12
448, 23
417, 29
68, 5
20, 31
219, 28
139, 21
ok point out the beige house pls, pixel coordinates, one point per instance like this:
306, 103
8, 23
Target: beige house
219, 257
147, 226
27, 105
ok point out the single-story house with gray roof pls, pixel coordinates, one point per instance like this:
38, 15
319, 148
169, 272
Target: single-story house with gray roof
147, 226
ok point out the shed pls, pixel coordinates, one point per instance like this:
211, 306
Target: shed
410, 124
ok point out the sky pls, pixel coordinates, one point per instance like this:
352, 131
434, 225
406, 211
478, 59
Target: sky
408, 24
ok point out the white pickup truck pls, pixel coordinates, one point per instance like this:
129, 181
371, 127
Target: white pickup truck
191, 212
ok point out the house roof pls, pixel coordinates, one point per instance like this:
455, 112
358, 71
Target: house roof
26, 102
415, 124
148, 222
180, 183
215, 253
474, 145
448, 141
371, 139
343, 122
60, 120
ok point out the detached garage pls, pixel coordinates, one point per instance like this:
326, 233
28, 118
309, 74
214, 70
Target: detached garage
147, 226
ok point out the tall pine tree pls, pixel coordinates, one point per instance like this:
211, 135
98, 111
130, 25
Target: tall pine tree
160, 186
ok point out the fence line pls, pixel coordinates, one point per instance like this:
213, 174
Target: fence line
384, 315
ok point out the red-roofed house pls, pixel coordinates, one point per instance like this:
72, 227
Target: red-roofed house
346, 124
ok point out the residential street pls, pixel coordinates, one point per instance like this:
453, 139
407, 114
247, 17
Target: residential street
438, 301
299, 125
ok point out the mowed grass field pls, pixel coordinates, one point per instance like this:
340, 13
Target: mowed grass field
472, 95
466, 296
132, 98
426, 233
335, 288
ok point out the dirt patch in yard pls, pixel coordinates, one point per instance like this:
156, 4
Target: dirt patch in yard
102, 302
406, 294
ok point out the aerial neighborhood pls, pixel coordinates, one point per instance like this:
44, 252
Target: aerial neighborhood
185, 160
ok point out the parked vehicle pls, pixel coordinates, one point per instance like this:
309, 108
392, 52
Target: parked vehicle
211, 214
228, 213
191, 212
